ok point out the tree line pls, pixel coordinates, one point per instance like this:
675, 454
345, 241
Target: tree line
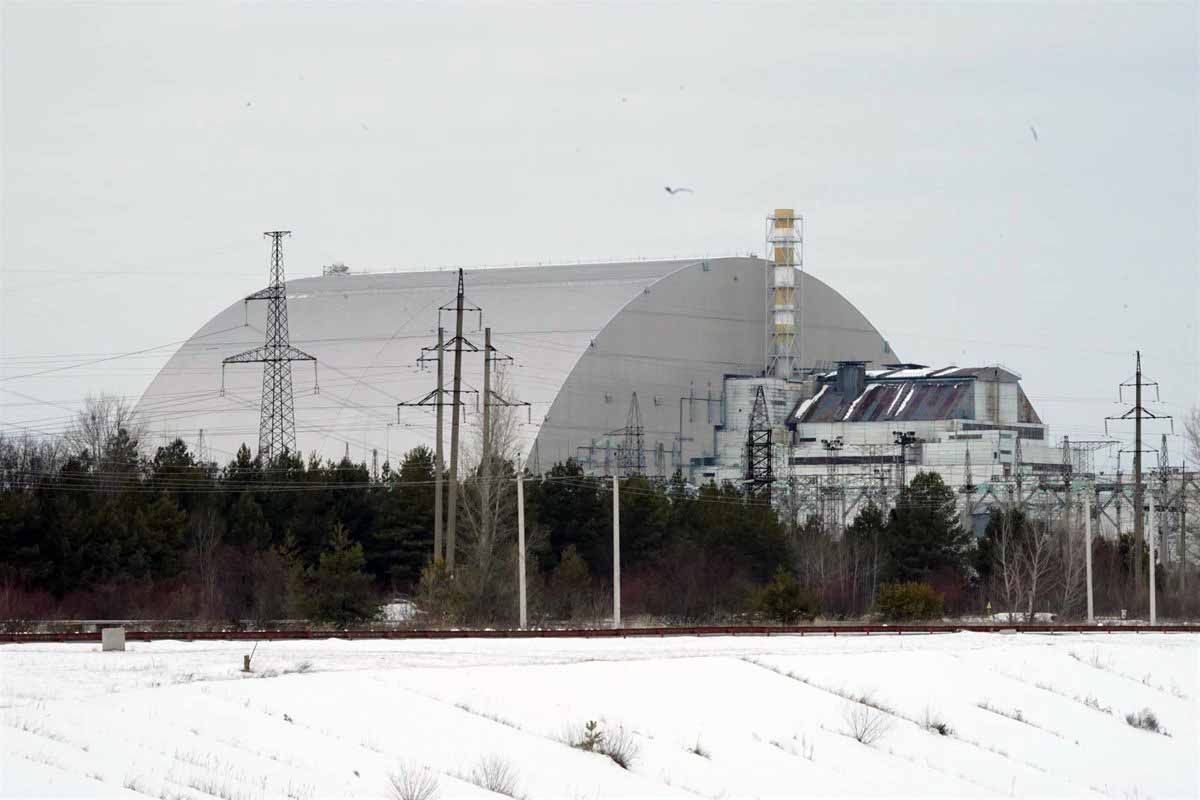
94, 525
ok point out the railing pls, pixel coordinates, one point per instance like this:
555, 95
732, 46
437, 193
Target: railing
595, 633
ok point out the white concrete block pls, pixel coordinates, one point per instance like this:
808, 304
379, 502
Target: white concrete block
112, 639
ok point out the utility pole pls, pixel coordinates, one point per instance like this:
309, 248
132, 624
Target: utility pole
521, 540
1138, 413
1087, 539
439, 546
277, 418
1139, 488
455, 399
616, 479
458, 342
485, 459
436, 398
1153, 592
1183, 482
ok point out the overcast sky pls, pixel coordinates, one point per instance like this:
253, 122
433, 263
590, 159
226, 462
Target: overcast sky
146, 147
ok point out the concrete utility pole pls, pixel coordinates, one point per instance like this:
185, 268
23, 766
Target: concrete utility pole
455, 401
436, 398
485, 459
1183, 482
1151, 538
1087, 538
1138, 413
616, 551
1138, 487
521, 539
439, 544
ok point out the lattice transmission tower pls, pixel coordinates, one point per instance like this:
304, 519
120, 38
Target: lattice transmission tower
631, 452
760, 471
277, 418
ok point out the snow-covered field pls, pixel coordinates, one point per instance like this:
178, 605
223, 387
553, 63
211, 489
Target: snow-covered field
1023, 715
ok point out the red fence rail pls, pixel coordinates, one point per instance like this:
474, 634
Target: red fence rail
589, 633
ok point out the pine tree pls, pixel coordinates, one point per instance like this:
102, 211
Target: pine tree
923, 536
339, 590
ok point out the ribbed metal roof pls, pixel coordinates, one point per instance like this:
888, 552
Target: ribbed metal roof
581, 338
367, 332
882, 402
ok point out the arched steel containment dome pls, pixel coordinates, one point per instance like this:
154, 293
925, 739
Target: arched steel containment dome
582, 338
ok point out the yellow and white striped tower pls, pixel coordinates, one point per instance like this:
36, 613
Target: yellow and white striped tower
785, 246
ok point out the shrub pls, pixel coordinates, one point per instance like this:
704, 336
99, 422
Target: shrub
935, 724
570, 586
439, 595
785, 600
616, 742
908, 601
414, 782
620, 746
866, 723
1145, 720
496, 775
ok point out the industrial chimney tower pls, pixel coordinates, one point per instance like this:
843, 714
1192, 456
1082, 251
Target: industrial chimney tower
785, 249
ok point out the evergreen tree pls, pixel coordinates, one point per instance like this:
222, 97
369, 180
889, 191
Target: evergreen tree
923, 536
570, 585
338, 590
400, 543
570, 507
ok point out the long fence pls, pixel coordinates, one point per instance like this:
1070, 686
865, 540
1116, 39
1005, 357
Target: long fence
592, 633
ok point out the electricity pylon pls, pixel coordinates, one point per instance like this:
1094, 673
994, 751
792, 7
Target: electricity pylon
277, 417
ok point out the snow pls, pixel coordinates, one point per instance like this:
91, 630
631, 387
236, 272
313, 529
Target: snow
807, 404
858, 400
911, 391
920, 372
1028, 715
896, 398
400, 610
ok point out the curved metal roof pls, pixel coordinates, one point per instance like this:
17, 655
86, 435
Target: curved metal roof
367, 331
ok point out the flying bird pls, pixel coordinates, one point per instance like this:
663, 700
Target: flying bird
1033, 130
678, 189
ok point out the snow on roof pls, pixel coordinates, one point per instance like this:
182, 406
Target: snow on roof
807, 404
911, 391
857, 400
895, 400
923, 372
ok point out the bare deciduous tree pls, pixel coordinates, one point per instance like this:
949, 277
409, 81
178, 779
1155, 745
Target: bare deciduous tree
1036, 554
1007, 568
1071, 564
489, 507
99, 423
1191, 424
206, 529
1024, 553
27, 459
